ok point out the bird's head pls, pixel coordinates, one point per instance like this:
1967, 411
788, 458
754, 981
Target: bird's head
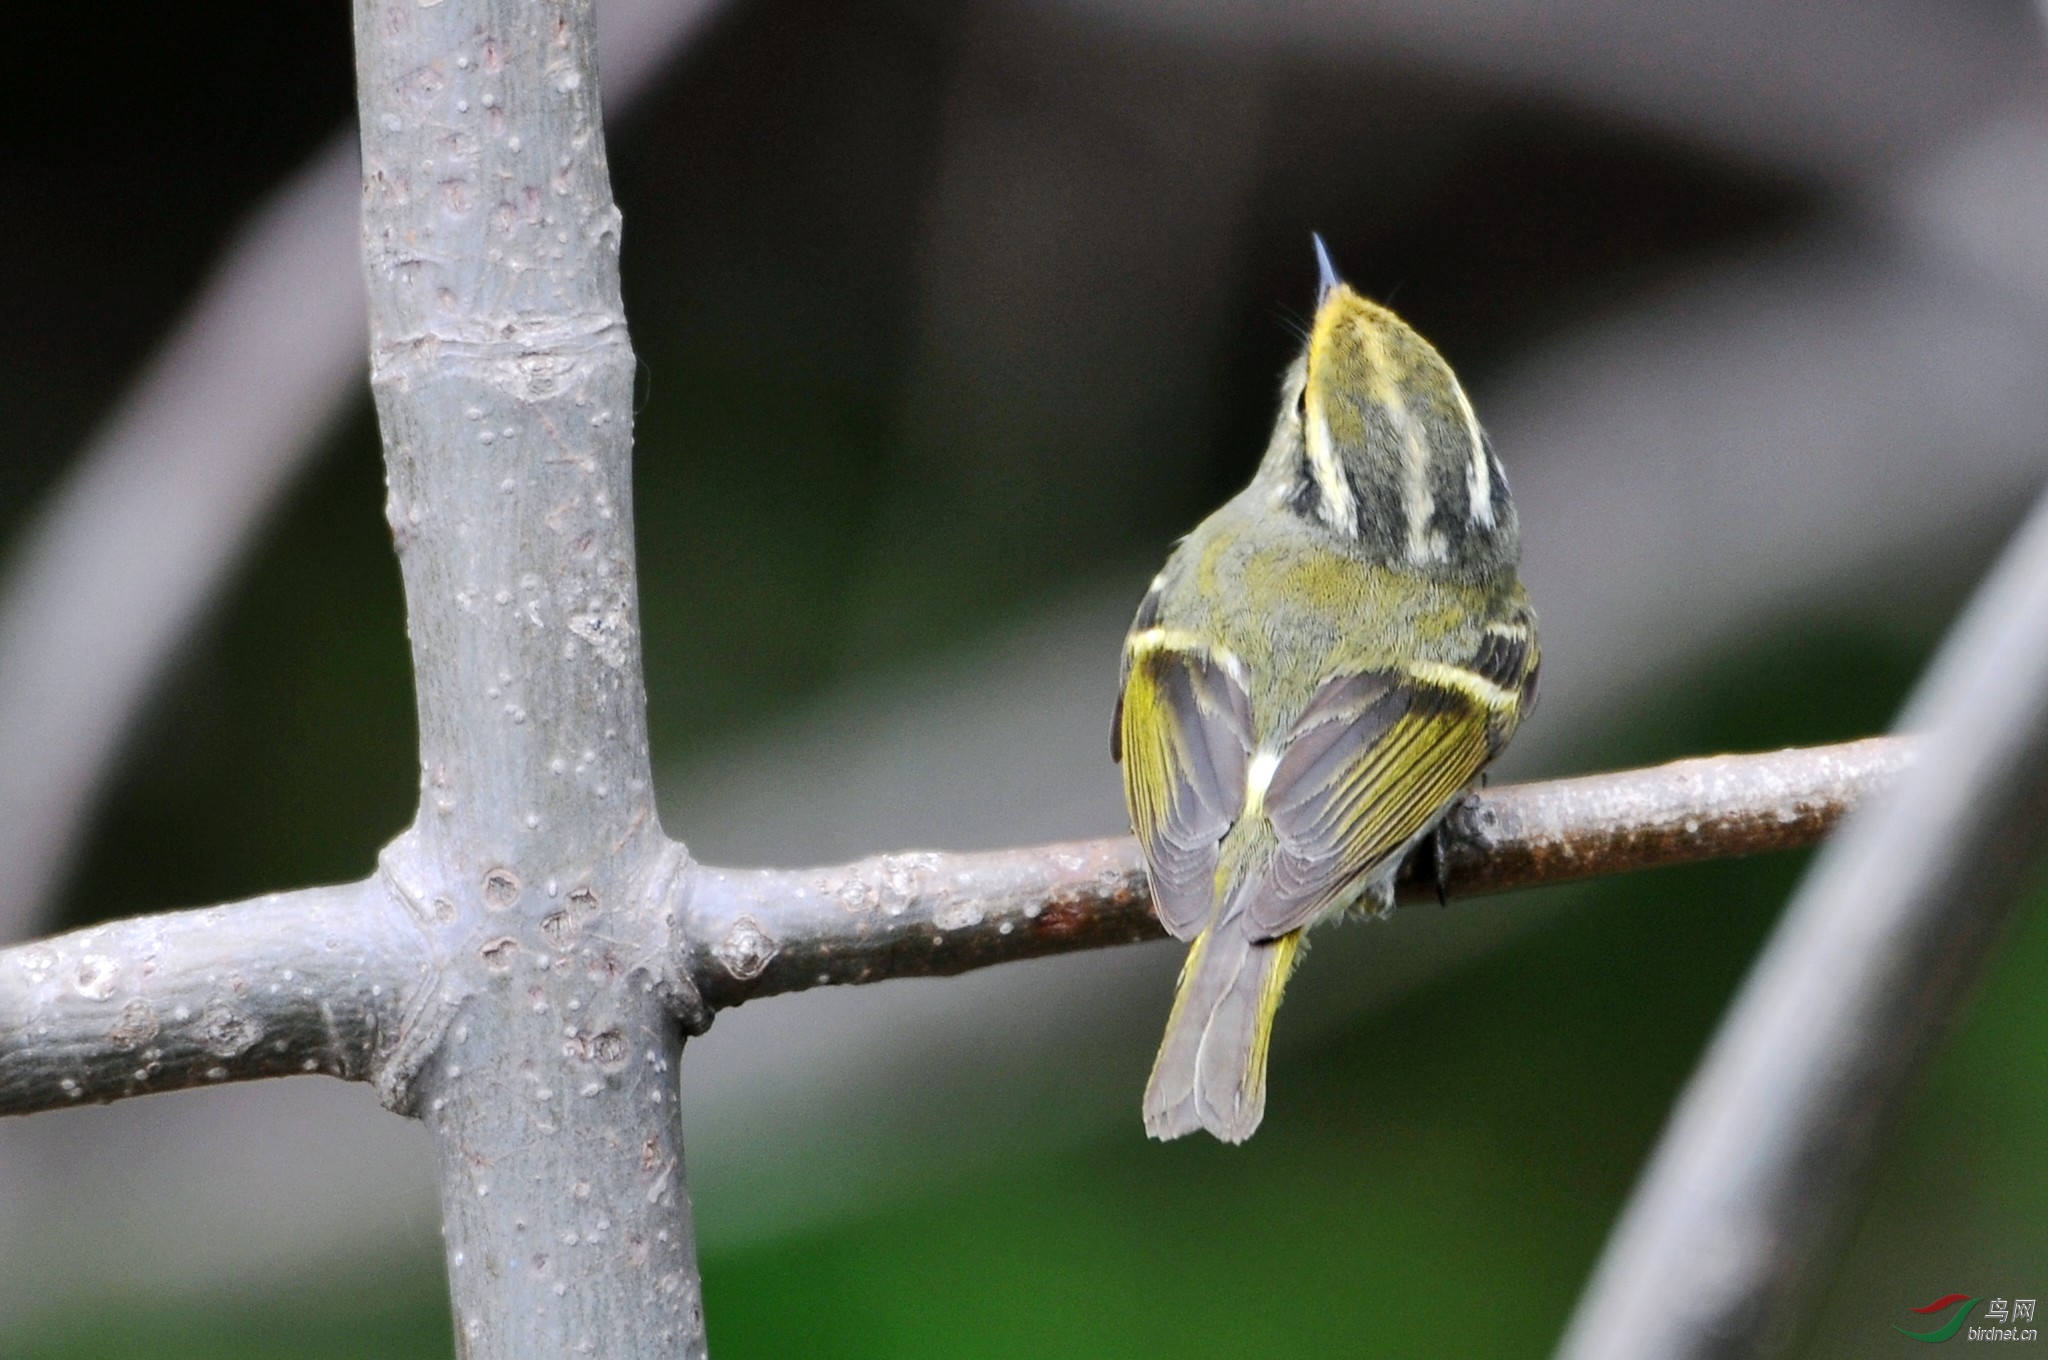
1377, 443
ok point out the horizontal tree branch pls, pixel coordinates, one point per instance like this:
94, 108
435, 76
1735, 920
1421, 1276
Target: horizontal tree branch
318, 980
753, 933
1710, 807
309, 981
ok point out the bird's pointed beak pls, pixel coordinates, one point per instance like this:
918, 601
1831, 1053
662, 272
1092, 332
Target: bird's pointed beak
1327, 280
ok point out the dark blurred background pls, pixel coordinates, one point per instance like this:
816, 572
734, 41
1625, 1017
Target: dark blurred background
950, 318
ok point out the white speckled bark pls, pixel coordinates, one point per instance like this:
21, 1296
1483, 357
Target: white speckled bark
543, 1056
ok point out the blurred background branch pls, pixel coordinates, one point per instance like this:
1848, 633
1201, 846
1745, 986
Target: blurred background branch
1728, 1238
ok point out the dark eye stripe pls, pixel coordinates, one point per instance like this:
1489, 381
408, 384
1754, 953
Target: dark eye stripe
1361, 511
1306, 499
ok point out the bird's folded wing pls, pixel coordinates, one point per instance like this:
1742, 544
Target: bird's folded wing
1366, 767
1184, 733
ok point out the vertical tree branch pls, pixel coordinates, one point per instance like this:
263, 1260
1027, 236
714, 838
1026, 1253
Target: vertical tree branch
545, 1060
157, 509
1727, 1236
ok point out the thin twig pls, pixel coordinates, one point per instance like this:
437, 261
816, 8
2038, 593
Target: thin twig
295, 982
753, 933
1728, 1237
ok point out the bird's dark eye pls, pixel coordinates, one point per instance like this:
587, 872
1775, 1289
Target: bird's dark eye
1301, 405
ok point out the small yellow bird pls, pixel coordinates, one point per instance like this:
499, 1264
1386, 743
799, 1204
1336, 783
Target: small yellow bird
1322, 668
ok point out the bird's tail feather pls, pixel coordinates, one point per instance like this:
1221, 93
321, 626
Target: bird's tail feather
1211, 1069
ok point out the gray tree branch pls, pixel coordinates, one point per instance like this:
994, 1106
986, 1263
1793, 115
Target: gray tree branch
337, 980
543, 1059
309, 981
158, 508
1728, 1237
751, 933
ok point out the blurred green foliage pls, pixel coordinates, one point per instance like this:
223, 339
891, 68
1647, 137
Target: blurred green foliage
1436, 1180
405, 1320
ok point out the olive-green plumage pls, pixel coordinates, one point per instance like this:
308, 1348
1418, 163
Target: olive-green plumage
1323, 665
